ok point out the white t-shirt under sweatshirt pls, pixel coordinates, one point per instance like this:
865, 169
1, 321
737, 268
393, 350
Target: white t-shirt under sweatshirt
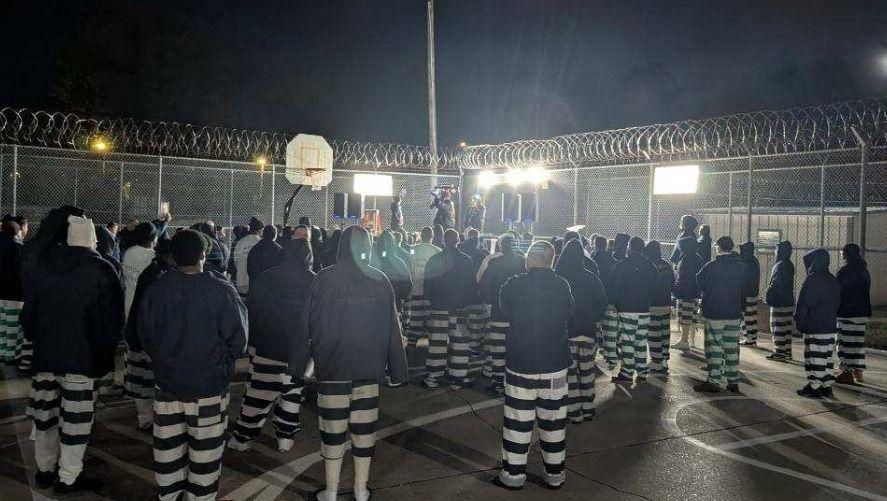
135, 260
241, 252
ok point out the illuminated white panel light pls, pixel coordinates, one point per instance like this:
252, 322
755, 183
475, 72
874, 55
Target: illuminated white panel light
488, 179
373, 185
676, 180
516, 177
537, 175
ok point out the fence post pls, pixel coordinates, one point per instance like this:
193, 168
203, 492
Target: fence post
231, 200
15, 179
650, 203
575, 195
863, 163
273, 190
749, 200
120, 196
730, 204
822, 205
159, 183
2, 179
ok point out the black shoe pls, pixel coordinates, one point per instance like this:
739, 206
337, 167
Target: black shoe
620, 378
498, 483
589, 415
80, 486
809, 392
734, 387
777, 357
427, 386
45, 479
707, 387
826, 392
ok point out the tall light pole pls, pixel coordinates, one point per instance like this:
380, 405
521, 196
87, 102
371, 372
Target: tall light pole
432, 101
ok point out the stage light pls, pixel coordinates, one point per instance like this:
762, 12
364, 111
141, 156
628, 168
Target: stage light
537, 175
99, 144
516, 177
373, 185
261, 161
487, 179
676, 180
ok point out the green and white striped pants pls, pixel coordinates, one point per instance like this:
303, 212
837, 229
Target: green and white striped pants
633, 341
722, 350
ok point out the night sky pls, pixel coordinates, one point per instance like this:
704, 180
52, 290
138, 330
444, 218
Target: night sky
506, 70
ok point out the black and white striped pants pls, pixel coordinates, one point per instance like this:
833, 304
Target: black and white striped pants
580, 378
633, 343
851, 342
478, 323
750, 319
270, 387
63, 410
687, 312
343, 408
819, 360
449, 348
188, 445
530, 400
659, 337
26, 357
417, 311
138, 384
782, 324
494, 352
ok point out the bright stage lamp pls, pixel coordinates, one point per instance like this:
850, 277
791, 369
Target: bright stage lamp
373, 185
676, 180
487, 179
516, 177
537, 175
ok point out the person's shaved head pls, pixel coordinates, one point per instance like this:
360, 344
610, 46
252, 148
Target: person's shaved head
540, 255
451, 238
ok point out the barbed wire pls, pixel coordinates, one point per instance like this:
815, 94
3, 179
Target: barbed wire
797, 130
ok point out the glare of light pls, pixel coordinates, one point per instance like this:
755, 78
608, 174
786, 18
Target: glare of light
261, 161
463, 144
99, 144
882, 64
516, 177
536, 175
675, 180
373, 185
487, 179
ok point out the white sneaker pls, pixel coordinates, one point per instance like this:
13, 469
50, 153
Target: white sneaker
681, 345
284, 444
237, 445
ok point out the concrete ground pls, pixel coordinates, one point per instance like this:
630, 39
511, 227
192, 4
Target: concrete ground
655, 441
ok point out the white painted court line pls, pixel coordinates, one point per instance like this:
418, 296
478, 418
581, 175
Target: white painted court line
669, 420
779, 437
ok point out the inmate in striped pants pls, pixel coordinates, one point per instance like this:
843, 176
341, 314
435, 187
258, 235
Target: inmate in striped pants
63, 409
138, 384
750, 319
418, 314
782, 323
722, 350
687, 314
345, 407
532, 399
10, 333
27, 356
478, 323
659, 337
851, 342
188, 445
580, 379
633, 339
819, 363
270, 387
494, 350
610, 336
448, 349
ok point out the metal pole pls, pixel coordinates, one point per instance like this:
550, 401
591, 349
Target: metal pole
432, 100
15, 179
273, 189
120, 196
575, 196
730, 204
863, 163
76, 184
822, 205
159, 183
650, 204
2, 179
749, 199
231, 199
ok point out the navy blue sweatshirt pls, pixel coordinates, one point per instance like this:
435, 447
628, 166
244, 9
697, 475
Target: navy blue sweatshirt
538, 306
820, 297
264, 256
194, 327
685, 287
751, 282
633, 284
449, 280
653, 251
605, 264
589, 296
720, 282
855, 285
386, 259
781, 291
688, 229
499, 270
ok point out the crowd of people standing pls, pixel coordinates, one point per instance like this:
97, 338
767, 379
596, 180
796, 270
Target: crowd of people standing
341, 309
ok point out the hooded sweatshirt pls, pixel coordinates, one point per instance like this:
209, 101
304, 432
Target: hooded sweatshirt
386, 259
499, 269
589, 296
685, 287
781, 290
633, 284
449, 280
751, 282
419, 256
154, 271
720, 283
263, 256
276, 300
688, 229
51, 234
74, 313
240, 256
473, 249
605, 264
620, 246
855, 285
10, 267
351, 321
704, 248
136, 259
820, 297
662, 297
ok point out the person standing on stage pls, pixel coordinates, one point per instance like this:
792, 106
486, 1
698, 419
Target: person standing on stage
476, 214
446, 210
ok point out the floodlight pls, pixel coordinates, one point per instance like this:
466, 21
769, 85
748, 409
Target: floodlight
676, 180
373, 185
516, 177
99, 144
536, 175
487, 179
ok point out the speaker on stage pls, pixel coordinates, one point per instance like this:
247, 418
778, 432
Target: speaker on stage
340, 205
355, 206
528, 207
511, 207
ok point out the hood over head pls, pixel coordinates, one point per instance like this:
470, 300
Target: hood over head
354, 247
572, 259
747, 249
620, 245
297, 253
852, 255
783, 250
816, 261
653, 250
386, 243
689, 223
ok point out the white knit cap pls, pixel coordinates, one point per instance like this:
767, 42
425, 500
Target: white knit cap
81, 232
